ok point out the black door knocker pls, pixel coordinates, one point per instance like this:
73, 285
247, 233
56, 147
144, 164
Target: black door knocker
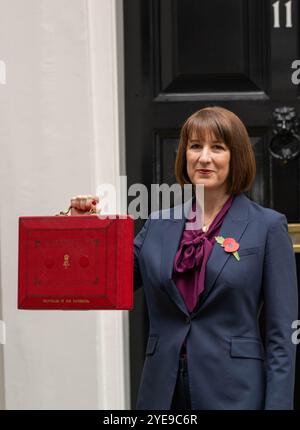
285, 143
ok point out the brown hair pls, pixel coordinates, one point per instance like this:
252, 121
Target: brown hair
227, 127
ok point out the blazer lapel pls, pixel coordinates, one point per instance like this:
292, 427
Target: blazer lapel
171, 238
234, 225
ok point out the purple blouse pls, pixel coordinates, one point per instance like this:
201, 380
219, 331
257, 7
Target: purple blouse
190, 260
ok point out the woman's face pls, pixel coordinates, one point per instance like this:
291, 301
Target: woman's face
211, 155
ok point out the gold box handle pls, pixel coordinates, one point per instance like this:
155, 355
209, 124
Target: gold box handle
93, 210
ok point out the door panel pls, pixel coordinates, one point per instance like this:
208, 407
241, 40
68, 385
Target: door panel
199, 52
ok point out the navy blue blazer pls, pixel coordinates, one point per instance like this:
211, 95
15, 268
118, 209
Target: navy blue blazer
229, 366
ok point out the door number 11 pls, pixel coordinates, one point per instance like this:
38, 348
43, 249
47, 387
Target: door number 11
288, 14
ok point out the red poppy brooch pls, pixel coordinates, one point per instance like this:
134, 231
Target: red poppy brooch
229, 245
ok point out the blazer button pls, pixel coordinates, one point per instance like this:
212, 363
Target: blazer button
187, 320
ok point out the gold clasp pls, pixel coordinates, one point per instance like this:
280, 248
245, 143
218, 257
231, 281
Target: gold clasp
66, 261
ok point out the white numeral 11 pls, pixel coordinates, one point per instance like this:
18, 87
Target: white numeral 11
288, 14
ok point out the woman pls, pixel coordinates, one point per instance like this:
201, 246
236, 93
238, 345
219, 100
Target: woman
205, 294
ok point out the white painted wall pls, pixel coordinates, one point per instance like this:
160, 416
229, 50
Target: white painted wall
61, 134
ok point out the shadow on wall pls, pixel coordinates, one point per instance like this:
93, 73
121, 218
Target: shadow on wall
2, 403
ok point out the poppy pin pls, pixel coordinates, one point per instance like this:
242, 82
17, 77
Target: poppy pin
229, 245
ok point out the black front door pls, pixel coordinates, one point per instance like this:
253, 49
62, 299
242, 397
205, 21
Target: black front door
182, 55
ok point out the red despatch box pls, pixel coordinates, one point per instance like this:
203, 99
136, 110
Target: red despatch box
75, 262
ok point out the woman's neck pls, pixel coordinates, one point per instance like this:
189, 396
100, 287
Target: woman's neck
214, 201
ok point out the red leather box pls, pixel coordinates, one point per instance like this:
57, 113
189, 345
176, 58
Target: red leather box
75, 262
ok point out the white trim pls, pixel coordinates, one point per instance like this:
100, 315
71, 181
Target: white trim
107, 104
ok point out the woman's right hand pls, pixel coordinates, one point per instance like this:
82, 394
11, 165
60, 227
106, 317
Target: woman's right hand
82, 205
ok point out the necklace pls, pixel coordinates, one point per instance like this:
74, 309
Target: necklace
205, 226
